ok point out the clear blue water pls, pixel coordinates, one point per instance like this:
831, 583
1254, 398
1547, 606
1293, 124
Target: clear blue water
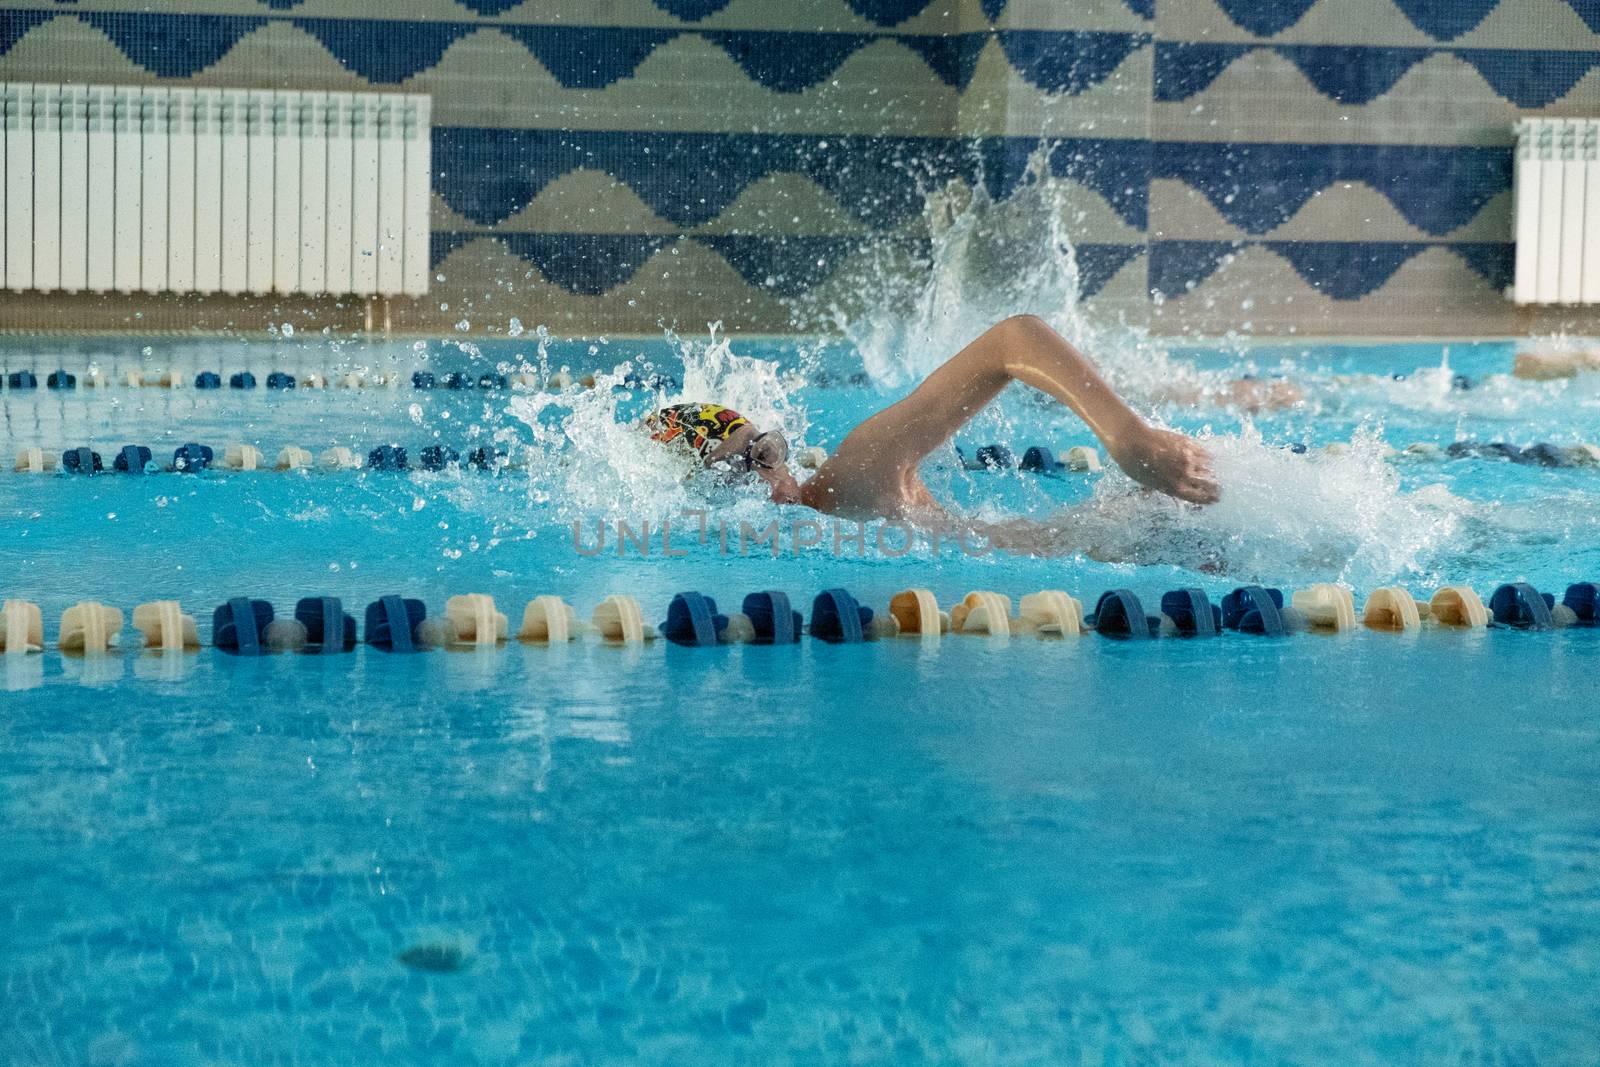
1367, 849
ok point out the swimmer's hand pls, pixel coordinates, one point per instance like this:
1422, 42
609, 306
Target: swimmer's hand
1170, 462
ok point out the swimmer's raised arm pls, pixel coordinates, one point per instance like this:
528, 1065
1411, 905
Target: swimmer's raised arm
874, 469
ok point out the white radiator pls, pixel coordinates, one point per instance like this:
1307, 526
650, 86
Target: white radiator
154, 190
1557, 212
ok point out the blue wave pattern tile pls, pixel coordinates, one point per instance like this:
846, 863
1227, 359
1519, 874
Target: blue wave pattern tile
785, 266
1360, 74
1443, 20
388, 52
489, 175
1258, 187
1343, 270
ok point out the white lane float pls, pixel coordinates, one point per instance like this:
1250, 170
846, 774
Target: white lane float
811, 458
1391, 608
313, 381
88, 627
1458, 605
982, 612
338, 458
618, 619
549, 620
1081, 458
1326, 606
35, 461
1051, 613
477, 621
241, 457
293, 458
165, 626
21, 627
916, 612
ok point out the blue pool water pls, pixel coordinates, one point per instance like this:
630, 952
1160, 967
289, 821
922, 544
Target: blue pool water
1369, 849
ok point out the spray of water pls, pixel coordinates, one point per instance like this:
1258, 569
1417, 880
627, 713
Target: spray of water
1282, 513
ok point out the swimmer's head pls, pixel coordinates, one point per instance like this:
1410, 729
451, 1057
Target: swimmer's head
751, 452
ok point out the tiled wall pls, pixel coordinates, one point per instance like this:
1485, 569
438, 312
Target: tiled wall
1344, 166
1311, 166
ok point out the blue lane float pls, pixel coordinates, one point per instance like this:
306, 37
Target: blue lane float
242, 380
774, 620
1040, 460
438, 457
81, 461
60, 379
838, 619
1192, 613
192, 458
487, 459
987, 458
1254, 609
387, 458
21, 379
1118, 613
208, 379
240, 625
692, 619
392, 621
1583, 600
422, 380
133, 459
328, 627
1520, 605
279, 380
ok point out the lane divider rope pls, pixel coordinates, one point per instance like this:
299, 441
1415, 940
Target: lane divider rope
249, 626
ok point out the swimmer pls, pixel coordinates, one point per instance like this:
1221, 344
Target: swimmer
873, 473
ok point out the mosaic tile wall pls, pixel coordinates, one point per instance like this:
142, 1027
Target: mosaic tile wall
1310, 166
1344, 166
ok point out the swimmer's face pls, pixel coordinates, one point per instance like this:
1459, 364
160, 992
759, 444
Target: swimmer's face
765, 455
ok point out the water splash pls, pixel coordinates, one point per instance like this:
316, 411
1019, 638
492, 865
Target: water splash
586, 454
1283, 517
988, 259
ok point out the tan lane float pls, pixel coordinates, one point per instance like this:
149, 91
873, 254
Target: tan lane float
1050, 613
165, 626
982, 612
1326, 607
1081, 458
21, 627
35, 461
811, 458
313, 381
241, 457
338, 458
1391, 608
1457, 605
916, 612
549, 620
617, 619
477, 621
89, 627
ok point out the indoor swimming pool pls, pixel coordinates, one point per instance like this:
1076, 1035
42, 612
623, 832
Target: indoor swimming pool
1367, 847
